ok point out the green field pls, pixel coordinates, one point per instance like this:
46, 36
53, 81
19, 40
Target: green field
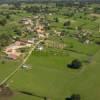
50, 77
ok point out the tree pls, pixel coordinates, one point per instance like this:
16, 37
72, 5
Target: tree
3, 62
56, 20
97, 10
18, 31
67, 23
79, 28
75, 64
5, 39
17, 5
3, 22
8, 16
74, 97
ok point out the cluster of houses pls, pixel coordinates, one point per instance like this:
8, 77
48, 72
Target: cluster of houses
36, 27
59, 33
28, 24
13, 51
84, 36
41, 32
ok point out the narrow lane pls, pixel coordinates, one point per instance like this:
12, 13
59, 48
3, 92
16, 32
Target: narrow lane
23, 62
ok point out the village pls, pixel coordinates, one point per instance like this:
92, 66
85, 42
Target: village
12, 51
49, 50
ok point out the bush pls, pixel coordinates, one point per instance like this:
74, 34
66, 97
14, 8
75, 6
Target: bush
75, 64
18, 31
7, 16
5, 39
3, 22
74, 97
56, 19
67, 23
3, 62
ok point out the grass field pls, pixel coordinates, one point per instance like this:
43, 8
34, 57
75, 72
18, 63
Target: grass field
50, 77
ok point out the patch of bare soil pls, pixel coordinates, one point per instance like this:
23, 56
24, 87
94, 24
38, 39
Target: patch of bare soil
5, 91
94, 14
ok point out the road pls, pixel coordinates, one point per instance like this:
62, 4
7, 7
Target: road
23, 62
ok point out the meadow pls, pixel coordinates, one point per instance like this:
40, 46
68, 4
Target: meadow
50, 77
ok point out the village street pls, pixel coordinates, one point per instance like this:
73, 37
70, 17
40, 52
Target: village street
29, 43
23, 62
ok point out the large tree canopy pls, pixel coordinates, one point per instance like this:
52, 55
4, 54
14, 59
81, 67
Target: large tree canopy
5, 39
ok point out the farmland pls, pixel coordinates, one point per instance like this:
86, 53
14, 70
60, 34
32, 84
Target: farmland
67, 34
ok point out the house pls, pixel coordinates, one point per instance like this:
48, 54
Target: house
50, 14
39, 29
12, 56
27, 21
29, 29
40, 48
26, 67
58, 33
12, 53
41, 36
12, 50
87, 41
